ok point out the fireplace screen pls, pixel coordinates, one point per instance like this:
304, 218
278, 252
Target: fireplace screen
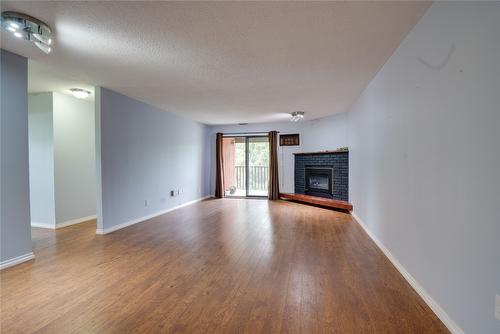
319, 180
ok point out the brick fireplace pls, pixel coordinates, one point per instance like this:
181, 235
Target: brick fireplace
323, 174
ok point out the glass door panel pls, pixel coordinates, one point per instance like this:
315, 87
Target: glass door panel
234, 155
258, 165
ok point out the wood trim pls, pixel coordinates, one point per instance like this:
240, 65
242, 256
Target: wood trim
328, 202
322, 152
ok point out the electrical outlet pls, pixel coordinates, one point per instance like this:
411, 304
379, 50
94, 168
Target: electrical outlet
497, 307
146, 202
172, 193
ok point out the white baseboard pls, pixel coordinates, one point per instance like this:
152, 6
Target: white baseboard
141, 219
438, 310
75, 221
17, 260
43, 225
63, 224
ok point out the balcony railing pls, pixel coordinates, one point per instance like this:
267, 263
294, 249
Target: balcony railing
257, 178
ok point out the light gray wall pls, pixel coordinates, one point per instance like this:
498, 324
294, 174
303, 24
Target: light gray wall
327, 133
74, 158
41, 159
15, 229
144, 153
424, 142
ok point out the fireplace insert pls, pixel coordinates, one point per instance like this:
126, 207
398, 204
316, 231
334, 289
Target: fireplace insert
319, 181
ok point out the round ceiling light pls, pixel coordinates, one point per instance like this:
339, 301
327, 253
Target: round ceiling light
28, 28
297, 116
80, 93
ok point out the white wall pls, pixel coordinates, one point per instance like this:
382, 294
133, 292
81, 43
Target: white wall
327, 133
15, 231
41, 160
62, 159
424, 141
74, 158
143, 153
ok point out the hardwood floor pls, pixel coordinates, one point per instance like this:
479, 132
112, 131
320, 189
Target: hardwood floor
218, 266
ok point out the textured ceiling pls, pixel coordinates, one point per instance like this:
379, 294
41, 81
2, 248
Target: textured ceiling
43, 78
220, 62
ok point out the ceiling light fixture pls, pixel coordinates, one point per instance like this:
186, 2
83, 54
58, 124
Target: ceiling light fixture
297, 116
80, 93
44, 47
43, 39
29, 28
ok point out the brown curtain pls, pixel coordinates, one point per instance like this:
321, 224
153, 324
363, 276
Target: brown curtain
219, 168
274, 192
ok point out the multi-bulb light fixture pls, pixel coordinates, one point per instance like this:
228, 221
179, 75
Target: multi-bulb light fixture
29, 28
297, 116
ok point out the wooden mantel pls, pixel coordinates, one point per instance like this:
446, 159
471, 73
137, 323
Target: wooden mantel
322, 152
331, 203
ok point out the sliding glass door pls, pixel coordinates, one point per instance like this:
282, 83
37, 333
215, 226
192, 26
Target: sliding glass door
246, 166
258, 165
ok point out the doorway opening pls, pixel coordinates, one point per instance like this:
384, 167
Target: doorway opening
62, 159
246, 166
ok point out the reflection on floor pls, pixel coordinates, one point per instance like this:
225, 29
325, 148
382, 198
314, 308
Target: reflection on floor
243, 193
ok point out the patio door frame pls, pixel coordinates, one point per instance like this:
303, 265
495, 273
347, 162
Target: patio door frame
247, 137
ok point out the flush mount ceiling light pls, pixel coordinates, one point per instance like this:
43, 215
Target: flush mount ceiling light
297, 116
28, 28
80, 93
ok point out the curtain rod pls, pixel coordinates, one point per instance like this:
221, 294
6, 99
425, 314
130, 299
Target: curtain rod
245, 133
